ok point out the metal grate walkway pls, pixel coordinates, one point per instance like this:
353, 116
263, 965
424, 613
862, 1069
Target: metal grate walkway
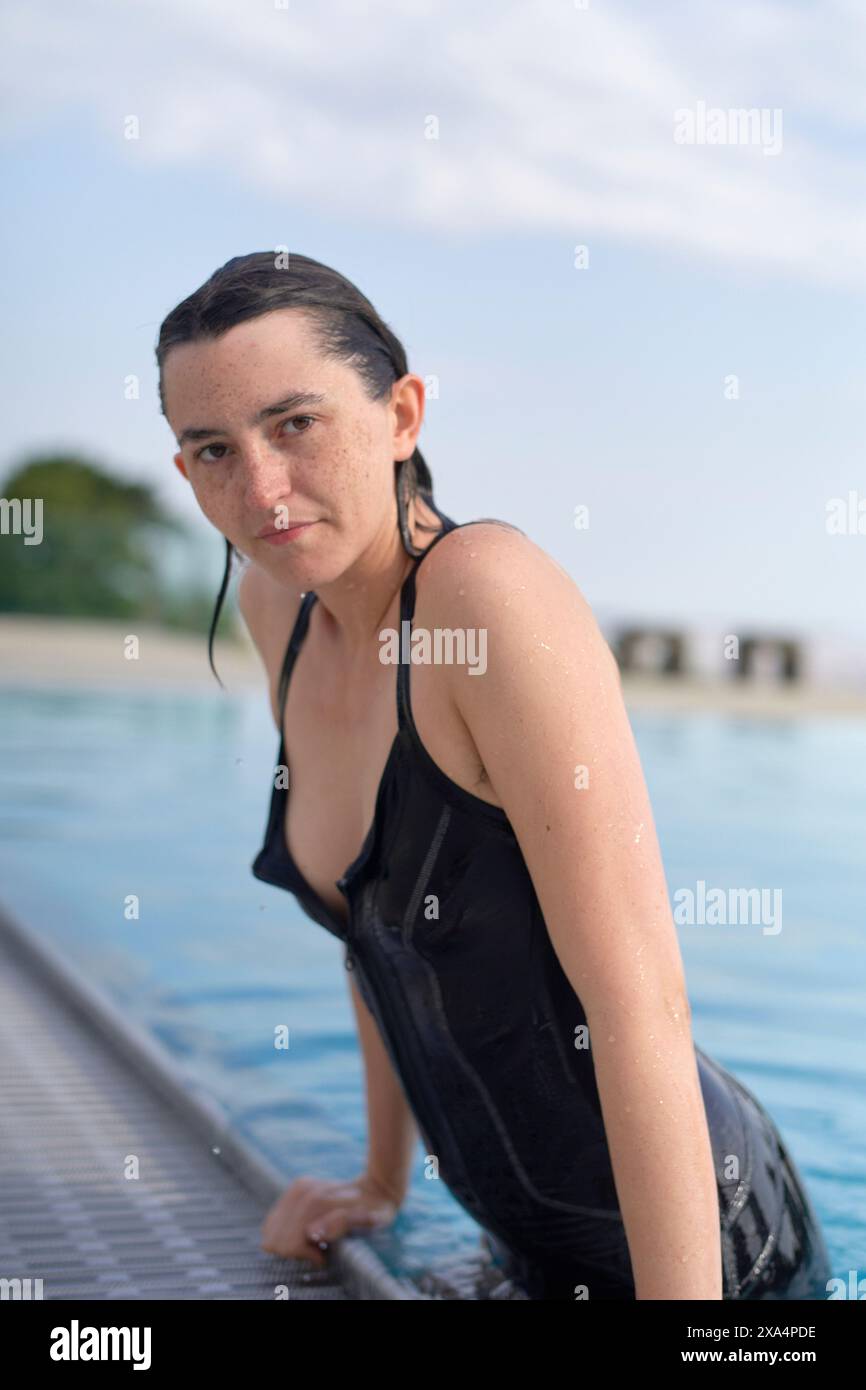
75, 1117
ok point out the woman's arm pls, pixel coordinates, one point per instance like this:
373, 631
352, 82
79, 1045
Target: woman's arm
392, 1133
550, 725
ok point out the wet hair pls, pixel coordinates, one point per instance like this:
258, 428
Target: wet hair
347, 329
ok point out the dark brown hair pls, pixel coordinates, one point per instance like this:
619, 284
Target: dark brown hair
347, 328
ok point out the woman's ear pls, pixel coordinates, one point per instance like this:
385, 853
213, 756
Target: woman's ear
180, 465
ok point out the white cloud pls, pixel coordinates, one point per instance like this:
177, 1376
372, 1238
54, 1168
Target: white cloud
551, 118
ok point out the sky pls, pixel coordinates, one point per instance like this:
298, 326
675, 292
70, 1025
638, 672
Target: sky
695, 377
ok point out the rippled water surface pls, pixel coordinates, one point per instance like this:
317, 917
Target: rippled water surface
103, 796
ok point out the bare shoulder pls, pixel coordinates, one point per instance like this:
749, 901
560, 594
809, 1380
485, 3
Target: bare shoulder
493, 575
269, 611
487, 550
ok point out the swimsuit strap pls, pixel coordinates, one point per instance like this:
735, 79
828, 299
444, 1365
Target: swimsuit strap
407, 595
299, 632
407, 592
407, 612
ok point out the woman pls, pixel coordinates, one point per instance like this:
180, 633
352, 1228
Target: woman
515, 969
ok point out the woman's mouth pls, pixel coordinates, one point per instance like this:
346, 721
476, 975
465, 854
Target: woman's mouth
285, 534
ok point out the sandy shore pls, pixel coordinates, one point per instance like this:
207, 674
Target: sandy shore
80, 653
50, 652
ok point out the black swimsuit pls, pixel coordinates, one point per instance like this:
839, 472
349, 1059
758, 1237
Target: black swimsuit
453, 959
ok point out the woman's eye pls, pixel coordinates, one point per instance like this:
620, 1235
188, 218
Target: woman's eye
295, 418
200, 454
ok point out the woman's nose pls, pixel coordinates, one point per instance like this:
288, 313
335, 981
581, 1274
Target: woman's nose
267, 476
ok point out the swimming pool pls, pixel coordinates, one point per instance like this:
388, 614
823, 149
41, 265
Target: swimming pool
108, 800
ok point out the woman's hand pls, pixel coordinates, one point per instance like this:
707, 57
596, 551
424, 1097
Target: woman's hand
314, 1212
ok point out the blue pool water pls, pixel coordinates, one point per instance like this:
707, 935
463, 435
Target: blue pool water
165, 796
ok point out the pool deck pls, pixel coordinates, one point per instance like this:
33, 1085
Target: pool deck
84, 1096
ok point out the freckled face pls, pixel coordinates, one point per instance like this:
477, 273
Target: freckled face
329, 461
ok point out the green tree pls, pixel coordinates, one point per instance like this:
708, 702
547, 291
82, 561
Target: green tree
100, 552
